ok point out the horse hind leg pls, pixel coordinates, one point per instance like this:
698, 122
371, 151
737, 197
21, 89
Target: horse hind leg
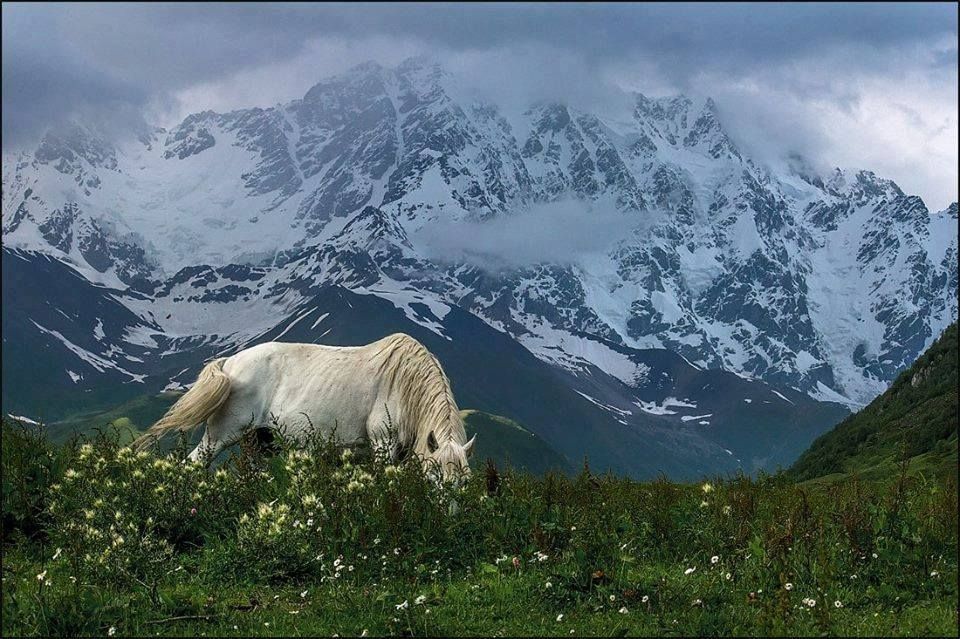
220, 432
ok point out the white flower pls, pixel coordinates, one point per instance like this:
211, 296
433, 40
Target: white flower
623, 610
419, 600
727, 510
932, 574
698, 602
396, 551
689, 570
42, 576
613, 597
728, 576
838, 603
788, 586
707, 488
548, 585
60, 550
645, 599
560, 617
112, 631
403, 606
303, 595
874, 555
810, 602
714, 559
704, 503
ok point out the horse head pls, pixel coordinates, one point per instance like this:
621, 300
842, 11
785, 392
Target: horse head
447, 461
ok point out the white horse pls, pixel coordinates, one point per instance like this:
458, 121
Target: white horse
358, 390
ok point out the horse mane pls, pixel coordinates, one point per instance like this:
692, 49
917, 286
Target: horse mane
423, 393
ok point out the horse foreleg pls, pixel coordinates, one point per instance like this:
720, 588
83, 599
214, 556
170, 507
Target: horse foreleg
382, 438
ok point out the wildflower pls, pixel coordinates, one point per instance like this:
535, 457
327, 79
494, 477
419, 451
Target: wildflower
303, 595
728, 576
539, 556
810, 603
572, 528
853, 576
689, 570
697, 602
419, 600
704, 503
404, 605
516, 562
727, 510
714, 559
645, 599
708, 488
112, 631
350, 568
874, 555
560, 617
838, 604
788, 586
70, 474
623, 610
193, 512
932, 574
613, 598
396, 551
549, 584
60, 550
42, 576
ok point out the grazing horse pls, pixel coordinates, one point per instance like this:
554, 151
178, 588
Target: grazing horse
363, 392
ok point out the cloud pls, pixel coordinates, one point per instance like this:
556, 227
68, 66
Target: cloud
563, 232
862, 84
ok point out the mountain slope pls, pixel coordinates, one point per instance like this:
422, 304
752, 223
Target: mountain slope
916, 419
677, 423
508, 443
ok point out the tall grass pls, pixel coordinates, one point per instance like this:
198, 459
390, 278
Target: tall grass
321, 540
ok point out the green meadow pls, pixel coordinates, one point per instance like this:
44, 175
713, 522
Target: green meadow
99, 540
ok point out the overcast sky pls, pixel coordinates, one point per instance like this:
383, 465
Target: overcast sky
859, 85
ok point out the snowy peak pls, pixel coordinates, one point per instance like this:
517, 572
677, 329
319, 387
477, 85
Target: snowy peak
824, 283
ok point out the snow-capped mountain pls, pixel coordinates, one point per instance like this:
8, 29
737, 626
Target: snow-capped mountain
215, 232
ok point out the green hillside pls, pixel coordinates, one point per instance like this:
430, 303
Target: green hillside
915, 421
135, 415
508, 443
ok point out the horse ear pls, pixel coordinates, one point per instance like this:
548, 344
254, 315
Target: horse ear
432, 442
468, 447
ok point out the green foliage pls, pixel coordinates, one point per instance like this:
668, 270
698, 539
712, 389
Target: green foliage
319, 540
914, 420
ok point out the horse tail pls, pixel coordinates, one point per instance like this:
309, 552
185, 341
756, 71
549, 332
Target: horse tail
200, 402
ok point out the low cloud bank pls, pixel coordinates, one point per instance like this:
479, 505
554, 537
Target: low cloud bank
564, 232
